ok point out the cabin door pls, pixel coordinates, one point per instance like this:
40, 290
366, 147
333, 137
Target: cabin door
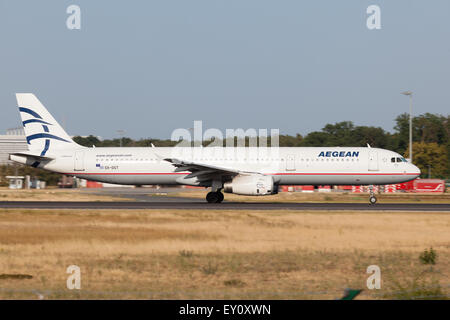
373, 161
290, 162
79, 161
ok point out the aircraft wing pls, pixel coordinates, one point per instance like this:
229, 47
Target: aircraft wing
203, 171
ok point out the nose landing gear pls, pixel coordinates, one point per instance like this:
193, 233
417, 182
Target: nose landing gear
372, 198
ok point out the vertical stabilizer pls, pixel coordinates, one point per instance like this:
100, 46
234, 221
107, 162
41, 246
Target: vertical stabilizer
43, 132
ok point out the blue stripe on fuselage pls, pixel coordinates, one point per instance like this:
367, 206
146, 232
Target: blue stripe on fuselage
35, 164
47, 145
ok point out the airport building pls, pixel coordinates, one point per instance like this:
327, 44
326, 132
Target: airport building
13, 141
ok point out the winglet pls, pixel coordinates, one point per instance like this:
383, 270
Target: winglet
156, 154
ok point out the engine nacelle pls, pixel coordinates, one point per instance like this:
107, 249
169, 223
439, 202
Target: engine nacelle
251, 185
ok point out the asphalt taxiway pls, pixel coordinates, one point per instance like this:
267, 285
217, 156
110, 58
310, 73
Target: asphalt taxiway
191, 204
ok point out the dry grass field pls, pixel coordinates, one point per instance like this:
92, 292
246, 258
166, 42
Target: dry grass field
171, 254
51, 195
343, 197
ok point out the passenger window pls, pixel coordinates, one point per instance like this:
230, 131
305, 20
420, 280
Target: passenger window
392, 159
399, 160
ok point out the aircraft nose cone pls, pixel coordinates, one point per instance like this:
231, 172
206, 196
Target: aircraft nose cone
416, 170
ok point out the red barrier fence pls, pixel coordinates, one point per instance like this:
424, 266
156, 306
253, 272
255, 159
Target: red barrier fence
417, 185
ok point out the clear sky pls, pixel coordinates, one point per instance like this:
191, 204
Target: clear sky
149, 67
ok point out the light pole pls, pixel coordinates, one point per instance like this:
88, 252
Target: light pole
409, 93
121, 133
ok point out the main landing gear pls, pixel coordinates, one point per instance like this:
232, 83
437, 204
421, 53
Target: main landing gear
372, 198
214, 197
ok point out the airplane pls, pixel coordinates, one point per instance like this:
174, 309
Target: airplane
251, 171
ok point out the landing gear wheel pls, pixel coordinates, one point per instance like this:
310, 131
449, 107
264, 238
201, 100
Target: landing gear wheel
213, 197
220, 196
372, 198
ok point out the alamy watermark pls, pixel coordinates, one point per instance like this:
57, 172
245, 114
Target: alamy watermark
74, 280
73, 21
249, 145
374, 281
373, 21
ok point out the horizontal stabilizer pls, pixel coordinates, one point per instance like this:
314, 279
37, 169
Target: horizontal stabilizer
31, 155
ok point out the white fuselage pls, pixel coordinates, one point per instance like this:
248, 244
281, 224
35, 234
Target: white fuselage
287, 166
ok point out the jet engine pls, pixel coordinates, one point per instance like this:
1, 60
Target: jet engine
251, 185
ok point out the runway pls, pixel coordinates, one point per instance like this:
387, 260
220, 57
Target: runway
236, 206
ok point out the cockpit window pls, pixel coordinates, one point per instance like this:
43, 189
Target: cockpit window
398, 159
